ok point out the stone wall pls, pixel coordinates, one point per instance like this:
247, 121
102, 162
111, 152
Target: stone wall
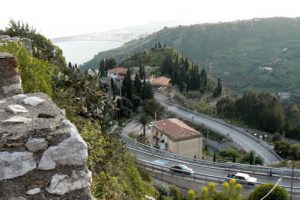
42, 155
10, 81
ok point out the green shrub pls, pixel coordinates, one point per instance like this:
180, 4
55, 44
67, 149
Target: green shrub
191, 195
36, 74
175, 193
279, 193
132, 135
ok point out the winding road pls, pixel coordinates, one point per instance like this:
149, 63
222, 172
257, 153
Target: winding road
237, 134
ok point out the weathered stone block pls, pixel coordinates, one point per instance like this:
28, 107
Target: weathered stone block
71, 151
36, 144
15, 164
62, 184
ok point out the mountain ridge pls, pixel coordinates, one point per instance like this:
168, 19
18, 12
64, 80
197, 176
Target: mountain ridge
259, 54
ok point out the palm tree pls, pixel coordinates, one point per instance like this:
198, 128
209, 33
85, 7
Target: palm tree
144, 120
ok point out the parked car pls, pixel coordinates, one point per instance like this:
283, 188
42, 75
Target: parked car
242, 178
182, 169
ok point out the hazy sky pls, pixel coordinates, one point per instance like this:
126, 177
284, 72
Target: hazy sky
69, 17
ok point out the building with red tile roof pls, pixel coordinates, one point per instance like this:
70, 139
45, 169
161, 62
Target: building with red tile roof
120, 71
175, 136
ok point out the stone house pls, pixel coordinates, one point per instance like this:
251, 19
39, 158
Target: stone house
177, 137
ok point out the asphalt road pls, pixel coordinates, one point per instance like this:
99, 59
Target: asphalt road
202, 169
245, 142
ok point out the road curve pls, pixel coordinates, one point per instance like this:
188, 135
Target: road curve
235, 133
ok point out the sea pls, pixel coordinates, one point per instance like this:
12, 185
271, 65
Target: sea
80, 52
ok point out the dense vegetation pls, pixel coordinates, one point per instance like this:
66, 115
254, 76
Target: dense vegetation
36, 74
230, 190
169, 62
42, 47
262, 111
258, 54
115, 175
114, 170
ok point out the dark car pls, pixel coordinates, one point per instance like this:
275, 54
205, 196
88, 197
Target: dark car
182, 169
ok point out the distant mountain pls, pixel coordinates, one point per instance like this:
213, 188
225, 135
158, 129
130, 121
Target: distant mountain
81, 48
122, 35
259, 54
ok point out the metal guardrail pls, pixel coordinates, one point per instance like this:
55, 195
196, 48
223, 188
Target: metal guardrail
198, 176
209, 164
263, 143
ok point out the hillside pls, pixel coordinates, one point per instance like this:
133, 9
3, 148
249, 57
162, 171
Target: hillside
114, 172
259, 54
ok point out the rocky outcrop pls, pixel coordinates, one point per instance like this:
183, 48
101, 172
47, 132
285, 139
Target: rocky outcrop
10, 81
27, 43
42, 155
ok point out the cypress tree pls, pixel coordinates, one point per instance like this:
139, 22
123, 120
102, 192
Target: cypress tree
215, 157
148, 91
112, 87
137, 83
218, 90
251, 159
203, 79
127, 85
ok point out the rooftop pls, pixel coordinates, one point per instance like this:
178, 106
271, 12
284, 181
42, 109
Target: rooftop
176, 130
118, 70
160, 81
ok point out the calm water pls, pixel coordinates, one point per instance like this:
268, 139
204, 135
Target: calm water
82, 51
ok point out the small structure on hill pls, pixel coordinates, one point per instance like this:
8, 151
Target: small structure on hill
175, 136
161, 81
117, 73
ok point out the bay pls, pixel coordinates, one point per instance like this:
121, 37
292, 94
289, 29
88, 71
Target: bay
80, 52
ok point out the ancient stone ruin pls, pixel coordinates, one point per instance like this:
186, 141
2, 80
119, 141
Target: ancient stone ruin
42, 155
10, 81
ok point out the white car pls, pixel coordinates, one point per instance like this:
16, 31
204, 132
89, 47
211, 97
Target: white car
182, 169
242, 178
